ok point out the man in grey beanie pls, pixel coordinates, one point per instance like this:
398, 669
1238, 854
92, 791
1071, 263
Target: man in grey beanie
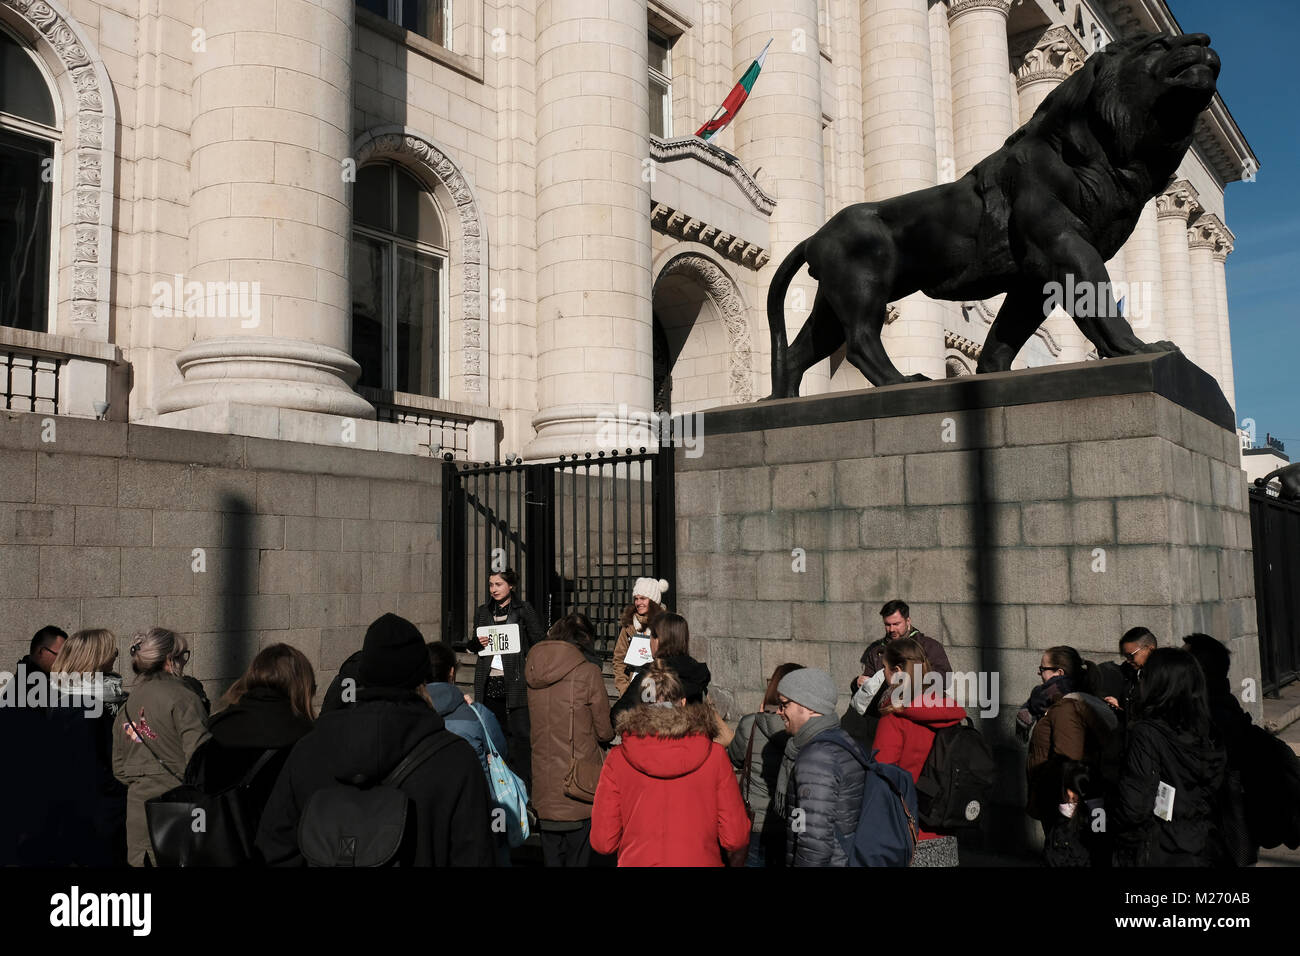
820, 785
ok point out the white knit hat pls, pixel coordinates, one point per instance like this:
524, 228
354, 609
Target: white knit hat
649, 587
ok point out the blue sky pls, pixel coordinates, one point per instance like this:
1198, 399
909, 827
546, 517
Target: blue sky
1256, 40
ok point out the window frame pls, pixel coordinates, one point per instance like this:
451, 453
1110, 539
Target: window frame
392, 241
395, 16
53, 136
660, 77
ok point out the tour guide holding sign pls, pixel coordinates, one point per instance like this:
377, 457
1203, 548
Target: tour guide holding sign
499, 678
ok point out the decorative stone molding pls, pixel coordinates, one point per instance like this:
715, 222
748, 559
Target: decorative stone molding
1180, 200
892, 314
1209, 232
962, 345
1052, 55
981, 311
680, 225
725, 294
418, 152
90, 133
692, 147
960, 7
955, 366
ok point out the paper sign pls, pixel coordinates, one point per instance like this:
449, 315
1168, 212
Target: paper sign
1165, 801
502, 639
865, 694
638, 652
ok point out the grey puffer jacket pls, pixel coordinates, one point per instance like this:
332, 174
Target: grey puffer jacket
824, 795
770, 736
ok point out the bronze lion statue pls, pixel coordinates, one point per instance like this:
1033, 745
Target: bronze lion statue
1056, 201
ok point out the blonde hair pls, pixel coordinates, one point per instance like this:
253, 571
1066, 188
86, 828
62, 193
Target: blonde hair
86, 652
151, 651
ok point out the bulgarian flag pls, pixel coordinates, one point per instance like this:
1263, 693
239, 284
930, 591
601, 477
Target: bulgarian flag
735, 99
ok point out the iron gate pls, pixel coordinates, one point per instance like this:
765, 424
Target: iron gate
579, 532
1275, 532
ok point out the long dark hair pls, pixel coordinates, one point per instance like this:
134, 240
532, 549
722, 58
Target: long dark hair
284, 669
1173, 691
673, 633
1080, 673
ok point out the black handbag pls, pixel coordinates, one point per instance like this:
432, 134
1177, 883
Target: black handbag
189, 827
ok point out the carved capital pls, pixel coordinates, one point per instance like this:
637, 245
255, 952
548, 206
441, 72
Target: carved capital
961, 7
1209, 232
1180, 200
1052, 55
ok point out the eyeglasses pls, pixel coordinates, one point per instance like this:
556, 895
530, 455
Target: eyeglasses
1048, 670
782, 703
1131, 656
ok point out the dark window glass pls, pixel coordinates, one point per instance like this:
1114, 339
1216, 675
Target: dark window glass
23, 91
426, 17
417, 322
417, 213
24, 232
375, 6
372, 203
369, 287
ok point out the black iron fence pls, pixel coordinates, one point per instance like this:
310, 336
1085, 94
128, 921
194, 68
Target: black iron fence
1275, 532
579, 532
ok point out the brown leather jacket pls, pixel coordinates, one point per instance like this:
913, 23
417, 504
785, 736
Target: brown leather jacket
563, 686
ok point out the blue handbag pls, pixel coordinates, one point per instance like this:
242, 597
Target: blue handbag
509, 794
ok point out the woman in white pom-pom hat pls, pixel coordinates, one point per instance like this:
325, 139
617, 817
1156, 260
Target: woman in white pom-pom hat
647, 602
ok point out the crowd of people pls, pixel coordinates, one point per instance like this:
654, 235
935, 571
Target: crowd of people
1149, 760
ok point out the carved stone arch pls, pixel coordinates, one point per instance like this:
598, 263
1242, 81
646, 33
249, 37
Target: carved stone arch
467, 243
87, 165
730, 303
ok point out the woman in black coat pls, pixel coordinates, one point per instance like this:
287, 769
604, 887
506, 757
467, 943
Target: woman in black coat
268, 709
1170, 746
499, 679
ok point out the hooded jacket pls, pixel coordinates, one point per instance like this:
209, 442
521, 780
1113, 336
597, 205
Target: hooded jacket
367, 741
769, 734
460, 718
262, 720
531, 633
904, 737
693, 674
667, 795
1195, 767
1079, 727
824, 795
568, 710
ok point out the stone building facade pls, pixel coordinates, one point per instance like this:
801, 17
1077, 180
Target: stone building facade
491, 230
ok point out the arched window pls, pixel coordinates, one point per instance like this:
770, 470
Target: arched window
28, 134
399, 260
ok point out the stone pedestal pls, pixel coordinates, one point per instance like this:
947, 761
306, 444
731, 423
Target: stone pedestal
1013, 511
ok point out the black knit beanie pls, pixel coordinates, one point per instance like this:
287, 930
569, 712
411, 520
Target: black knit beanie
394, 655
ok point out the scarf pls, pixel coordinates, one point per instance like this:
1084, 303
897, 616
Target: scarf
1042, 697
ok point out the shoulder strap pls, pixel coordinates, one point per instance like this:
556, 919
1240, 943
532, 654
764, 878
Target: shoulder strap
422, 751
748, 775
487, 737
254, 770
141, 737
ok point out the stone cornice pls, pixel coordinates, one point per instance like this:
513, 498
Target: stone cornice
960, 7
692, 147
961, 344
1179, 201
1209, 232
681, 225
1051, 55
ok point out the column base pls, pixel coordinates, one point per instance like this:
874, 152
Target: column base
576, 429
276, 373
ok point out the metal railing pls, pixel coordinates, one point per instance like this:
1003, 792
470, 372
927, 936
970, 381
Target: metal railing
29, 382
1275, 534
467, 433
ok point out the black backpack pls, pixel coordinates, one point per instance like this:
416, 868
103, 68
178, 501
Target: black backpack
345, 825
953, 787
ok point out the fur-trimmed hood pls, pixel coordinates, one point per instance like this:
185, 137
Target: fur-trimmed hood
667, 741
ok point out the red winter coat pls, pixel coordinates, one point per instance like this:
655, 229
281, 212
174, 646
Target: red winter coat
667, 795
904, 737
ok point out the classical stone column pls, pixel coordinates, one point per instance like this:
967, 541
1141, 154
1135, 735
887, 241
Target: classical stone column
1206, 234
1220, 255
846, 38
981, 91
898, 138
270, 221
1049, 61
1173, 208
594, 342
1145, 308
780, 130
